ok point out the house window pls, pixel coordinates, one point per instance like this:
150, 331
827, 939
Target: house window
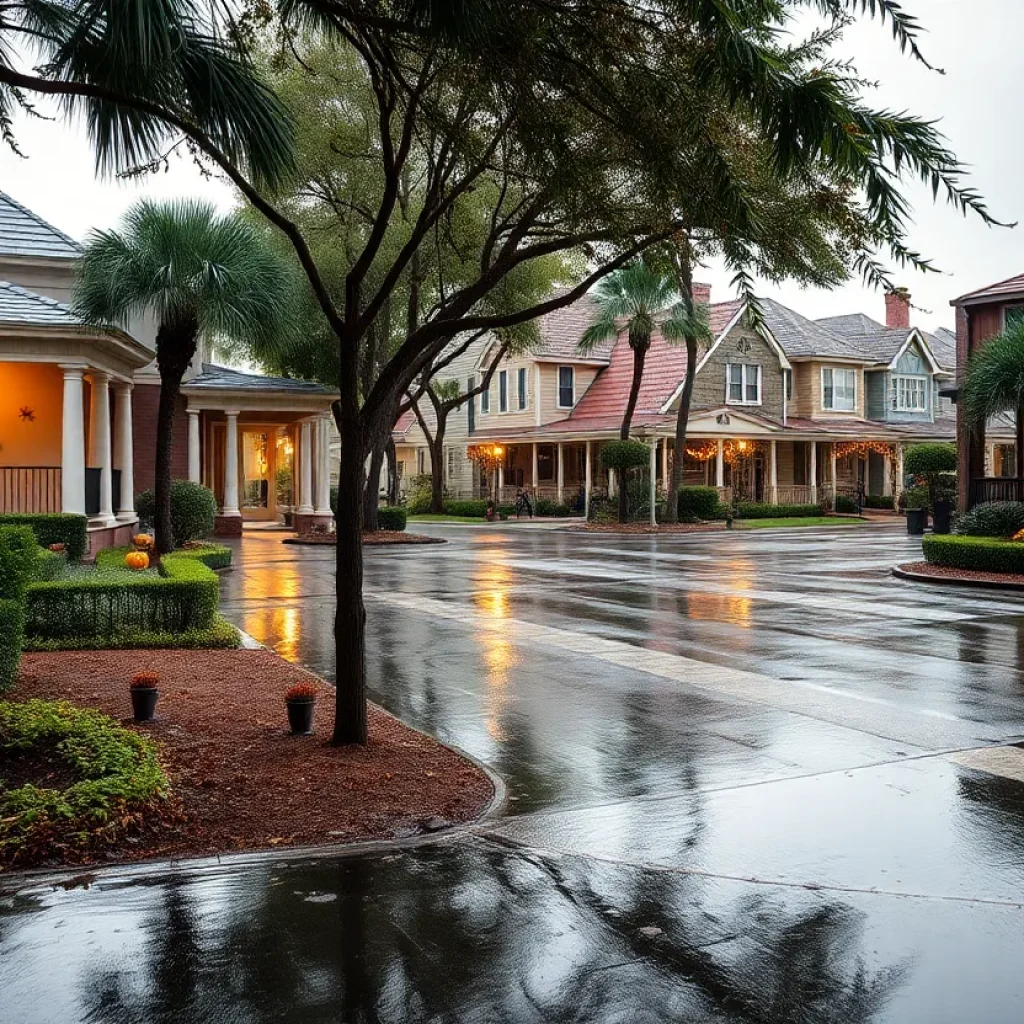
471, 406
485, 401
521, 387
743, 384
450, 464
911, 393
503, 391
838, 389
421, 461
566, 387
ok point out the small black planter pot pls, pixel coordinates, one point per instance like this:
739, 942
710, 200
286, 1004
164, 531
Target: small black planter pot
144, 702
917, 520
941, 516
300, 716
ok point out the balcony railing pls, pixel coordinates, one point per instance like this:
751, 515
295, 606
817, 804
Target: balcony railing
996, 488
30, 489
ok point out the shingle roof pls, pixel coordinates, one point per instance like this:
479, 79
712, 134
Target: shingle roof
23, 233
20, 306
802, 338
881, 344
220, 378
943, 345
1009, 288
561, 330
851, 325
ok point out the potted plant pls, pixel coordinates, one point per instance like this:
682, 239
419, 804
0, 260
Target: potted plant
144, 692
301, 702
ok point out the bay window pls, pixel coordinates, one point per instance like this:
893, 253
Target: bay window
838, 389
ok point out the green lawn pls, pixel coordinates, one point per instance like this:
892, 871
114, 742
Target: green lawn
762, 524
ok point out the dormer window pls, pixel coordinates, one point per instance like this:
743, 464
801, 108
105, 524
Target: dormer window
566, 387
743, 384
911, 393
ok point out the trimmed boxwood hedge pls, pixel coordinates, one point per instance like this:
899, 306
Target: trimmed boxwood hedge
879, 501
392, 517
699, 503
213, 556
221, 635
984, 554
12, 627
18, 554
762, 510
54, 528
117, 776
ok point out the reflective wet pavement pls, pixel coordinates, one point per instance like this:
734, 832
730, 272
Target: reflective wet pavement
753, 778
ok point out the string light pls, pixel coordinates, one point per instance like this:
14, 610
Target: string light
883, 448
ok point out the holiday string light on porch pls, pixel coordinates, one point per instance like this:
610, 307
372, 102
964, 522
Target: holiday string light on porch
884, 448
703, 453
487, 456
733, 451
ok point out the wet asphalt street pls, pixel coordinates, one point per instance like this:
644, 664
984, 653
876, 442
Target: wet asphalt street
752, 778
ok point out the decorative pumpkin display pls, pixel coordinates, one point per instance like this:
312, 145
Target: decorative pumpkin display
137, 560
143, 541
1019, 535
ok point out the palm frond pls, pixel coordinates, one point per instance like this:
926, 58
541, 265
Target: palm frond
994, 380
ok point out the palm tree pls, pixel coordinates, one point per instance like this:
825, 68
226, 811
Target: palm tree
201, 275
636, 301
994, 383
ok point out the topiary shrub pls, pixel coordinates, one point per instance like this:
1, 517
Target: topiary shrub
193, 510
699, 503
54, 528
623, 455
391, 518
981, 554
931, 462
992, 519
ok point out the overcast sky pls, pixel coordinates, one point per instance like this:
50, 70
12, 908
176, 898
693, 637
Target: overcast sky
977, 102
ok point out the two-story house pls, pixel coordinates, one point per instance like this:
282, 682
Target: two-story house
792, 413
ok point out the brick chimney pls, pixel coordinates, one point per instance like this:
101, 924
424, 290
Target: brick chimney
701, 294
897, 308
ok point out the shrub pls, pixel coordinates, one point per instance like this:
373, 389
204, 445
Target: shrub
472, 509
19, 558
418, 498
915, 497
50, 565
699, 503
621, 455
762, 510
117, 776
221, 635
302, 691
925, 459
844, 503
879, 501
992, 519
984, 554
603, 510
12, 626
193, 510
54, 528
391, 517
547, 507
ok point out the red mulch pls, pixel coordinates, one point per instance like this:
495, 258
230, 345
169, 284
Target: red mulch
647, 528
967, 575
369, 539
242, 781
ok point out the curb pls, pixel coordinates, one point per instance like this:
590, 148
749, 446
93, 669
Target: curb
923, 577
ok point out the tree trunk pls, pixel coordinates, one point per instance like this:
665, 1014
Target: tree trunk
1019, 445
682, 422
175, 349
371, 491
639, 355
392, 455
437, 464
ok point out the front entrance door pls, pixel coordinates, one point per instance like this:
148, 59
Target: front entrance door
257, 494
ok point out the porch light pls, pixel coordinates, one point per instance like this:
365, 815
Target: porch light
741, 446
498, 451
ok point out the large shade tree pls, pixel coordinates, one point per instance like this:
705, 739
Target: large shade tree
200, 275
605, 126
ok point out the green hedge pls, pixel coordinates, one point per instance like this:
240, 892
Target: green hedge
879, 501
845, 504
94, 606
985, 554
117, 774
12, 628
213, 556
699, 503
546, 507
762, 510
54, 528
18, 558
222, 634
193, 510
392, 517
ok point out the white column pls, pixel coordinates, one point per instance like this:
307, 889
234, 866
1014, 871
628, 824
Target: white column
99, 443
899, 472
305, 468
587, 482
72, 459
323, 467
990, 459
835, 482
652, 471
812, 473
501, 479
773, 472
886, 476
664, 464
720, 465
231, 465
194, 450
124, 455
536, 467
561, 472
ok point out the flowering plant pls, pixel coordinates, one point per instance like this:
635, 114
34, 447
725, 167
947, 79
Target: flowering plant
145, 681
301, 691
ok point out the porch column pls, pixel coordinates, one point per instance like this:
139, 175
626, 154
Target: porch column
124, 455
561, 472
231, 465
194, 451
990, 459
323, 467
664, 464
99, 443
835, 482
501, 478
588, 473
812, 474
72, 457
886, 476
899, 473
305, 468
536, 468
773, 472
653, 472
613, 483
720, 465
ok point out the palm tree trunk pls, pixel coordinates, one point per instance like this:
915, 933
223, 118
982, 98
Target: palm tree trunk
682, 422
639, 356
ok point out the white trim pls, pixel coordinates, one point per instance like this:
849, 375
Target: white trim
558, 386
925, 389
916, 335
563, 361
744, 383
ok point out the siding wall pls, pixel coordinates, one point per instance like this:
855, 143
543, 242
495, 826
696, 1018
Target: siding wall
709, 390
807, 396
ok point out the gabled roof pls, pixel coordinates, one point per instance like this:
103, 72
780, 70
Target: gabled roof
852, 325
221, 378
943, 345
1011, 288
561, 330
882, 345
801, 338
23, 233
20, 306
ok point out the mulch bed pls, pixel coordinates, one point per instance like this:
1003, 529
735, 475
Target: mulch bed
942, 573
646, 527
369, 539
241, 781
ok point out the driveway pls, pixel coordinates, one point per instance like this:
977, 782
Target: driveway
752, 777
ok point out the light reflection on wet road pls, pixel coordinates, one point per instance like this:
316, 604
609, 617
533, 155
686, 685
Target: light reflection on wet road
733, 789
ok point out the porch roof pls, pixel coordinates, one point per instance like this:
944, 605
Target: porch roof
222, 378
20, 306
219, 387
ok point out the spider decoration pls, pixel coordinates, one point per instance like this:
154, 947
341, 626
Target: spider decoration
27, 414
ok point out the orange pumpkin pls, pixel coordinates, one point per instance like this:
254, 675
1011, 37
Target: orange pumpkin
143, 541
137, 560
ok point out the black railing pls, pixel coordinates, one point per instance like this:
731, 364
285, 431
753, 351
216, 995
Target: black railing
996, 488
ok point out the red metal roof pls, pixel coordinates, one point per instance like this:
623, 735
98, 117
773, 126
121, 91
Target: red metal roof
1012, 286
